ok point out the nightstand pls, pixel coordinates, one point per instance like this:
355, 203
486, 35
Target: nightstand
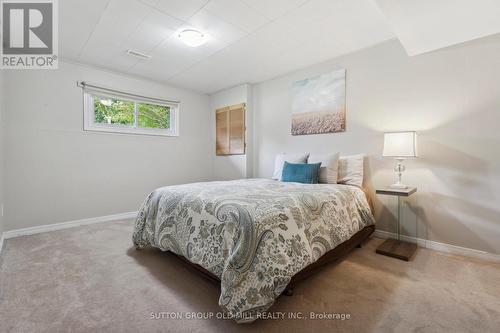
397, 248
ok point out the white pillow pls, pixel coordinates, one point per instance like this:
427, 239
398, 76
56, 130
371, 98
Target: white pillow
328, 173
351, 170
282, 158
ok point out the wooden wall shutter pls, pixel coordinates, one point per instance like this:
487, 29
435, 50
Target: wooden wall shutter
230, 130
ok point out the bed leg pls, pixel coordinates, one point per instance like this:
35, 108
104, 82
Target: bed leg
288, 291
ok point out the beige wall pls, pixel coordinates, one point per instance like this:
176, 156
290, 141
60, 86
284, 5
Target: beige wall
235, 166
451, 97
56, 172
2, 150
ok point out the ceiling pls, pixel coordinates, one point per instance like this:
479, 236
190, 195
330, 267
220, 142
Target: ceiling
250, 40
254, 40
427, 25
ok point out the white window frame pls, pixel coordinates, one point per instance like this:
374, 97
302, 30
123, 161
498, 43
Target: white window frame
89, 123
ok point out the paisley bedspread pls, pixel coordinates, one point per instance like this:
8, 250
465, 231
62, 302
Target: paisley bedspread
254, 234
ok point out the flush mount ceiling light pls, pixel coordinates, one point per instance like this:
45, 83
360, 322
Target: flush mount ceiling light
192, 37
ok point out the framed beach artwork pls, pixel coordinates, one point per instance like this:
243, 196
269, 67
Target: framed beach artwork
318, 104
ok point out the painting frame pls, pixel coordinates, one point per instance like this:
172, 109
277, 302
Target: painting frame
319, 104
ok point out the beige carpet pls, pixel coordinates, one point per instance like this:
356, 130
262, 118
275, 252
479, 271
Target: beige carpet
90, 279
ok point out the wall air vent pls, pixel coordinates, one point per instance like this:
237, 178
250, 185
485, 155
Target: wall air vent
139, 55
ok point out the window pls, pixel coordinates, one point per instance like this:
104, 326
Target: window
230, 130
127, 113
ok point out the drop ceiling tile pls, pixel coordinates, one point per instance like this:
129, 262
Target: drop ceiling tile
151, 3
310, 15
77, 22
161, 69
111, 57
216, 27
249, 41
155, 28
237, 13
426, 25
316, 10
120, 19
255, 51
122, 62
173, 57
196, 77
357, 23
181, 9
275, 8
174, 47
283, 45
221, 71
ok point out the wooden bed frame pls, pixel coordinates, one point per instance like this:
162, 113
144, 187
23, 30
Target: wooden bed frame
337, 253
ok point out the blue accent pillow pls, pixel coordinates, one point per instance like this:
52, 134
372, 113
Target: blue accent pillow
301, 173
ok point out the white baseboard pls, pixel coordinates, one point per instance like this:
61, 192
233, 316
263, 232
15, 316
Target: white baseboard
65, 225
442, 247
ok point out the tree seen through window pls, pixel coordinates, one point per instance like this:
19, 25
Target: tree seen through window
120, 112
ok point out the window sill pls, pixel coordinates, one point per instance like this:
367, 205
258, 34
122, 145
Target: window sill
133, 131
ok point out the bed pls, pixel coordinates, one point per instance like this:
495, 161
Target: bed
256, 236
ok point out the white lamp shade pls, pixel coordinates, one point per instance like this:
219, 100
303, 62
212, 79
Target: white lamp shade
400, 144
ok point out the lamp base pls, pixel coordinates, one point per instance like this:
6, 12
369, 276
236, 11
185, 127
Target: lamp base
399, 186
399, 168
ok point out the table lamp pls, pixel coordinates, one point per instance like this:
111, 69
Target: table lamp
400, 146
